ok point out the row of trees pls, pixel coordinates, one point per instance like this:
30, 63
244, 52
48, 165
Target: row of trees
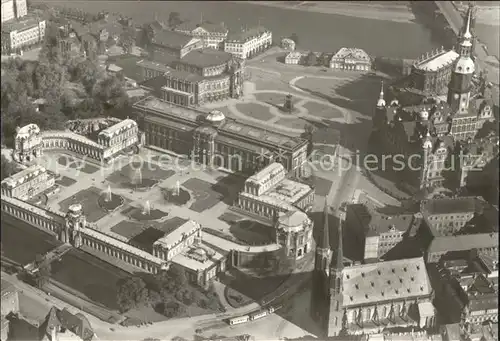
169, 294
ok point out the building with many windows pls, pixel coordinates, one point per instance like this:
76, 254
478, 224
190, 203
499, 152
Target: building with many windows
23, 33
212, 35
294, 58
367, 298
13, 9
351, 59
213, 139
27, 183
247, 43
268, 193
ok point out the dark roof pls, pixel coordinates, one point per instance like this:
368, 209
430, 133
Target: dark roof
20, 24
206, 57
158, 82
324, 242
483, 302
452, 205
208, 26
171, 39
463, 242
245, 35
77, 324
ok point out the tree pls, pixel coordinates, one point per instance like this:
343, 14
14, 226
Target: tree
312, 60
295, 38
127, 39
7, 167
172, 309
308, 135
174, 19
42, 276
131, 293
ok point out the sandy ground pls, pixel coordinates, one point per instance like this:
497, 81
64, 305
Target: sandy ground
390, 11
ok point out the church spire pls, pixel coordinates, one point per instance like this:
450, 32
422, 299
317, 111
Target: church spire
338, 256
467, 35
381, 100
324, 242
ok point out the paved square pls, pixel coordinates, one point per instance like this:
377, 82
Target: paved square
129, 174
322, 111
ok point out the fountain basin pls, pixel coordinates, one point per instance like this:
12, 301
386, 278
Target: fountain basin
145, 184
180, 199
115, 202
138, 214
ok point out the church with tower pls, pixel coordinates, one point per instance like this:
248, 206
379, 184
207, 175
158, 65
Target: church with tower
428, 133
349, 298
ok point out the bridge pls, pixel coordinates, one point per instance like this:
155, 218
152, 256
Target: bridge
49, 257
483, 60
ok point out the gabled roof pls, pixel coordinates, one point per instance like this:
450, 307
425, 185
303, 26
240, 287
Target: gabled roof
206, 57
77, 324
207, 26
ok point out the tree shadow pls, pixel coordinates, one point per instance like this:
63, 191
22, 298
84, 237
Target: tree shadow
227, 187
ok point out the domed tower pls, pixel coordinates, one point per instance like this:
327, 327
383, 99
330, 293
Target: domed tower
426, 153
74, 221
424, 115
461, 77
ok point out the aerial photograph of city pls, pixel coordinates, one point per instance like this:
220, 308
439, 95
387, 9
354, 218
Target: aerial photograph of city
249, 170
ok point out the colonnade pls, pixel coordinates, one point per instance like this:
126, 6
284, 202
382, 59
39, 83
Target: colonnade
61, 140
53, 223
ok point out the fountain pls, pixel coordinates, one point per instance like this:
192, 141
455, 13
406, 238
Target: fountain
177, 188
136, 177
110, 201
147, 208
108, 195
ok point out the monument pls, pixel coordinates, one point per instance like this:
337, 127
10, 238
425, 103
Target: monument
288, 105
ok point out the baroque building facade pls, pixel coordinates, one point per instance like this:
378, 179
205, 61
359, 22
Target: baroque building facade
214, 140
27, 183
268, 193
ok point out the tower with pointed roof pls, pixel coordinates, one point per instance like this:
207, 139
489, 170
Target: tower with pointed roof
381, 100
321, 273
327, 295
459, 89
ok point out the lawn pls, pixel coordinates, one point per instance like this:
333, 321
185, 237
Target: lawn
130, 229
205, 196
295, 123
321, 186
322, 111
90, 276
88, 198
254, 110
65, 181
274, 99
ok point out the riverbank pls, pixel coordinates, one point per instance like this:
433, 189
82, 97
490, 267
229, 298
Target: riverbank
397, 11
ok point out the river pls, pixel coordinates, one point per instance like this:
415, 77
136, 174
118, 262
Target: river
316, 31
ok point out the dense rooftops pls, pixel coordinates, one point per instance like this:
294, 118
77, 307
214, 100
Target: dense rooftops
207, 26
119, 127
464, 242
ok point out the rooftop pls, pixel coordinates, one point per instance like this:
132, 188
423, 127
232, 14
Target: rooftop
285, 194
451, 205
119, 127
153, 65
176, 235
271, 170
77, 324
245, 35
187, 258
252, 134
464, 242
385, 281
22, 24
27, 130
171, 39
437, 61
23, 176
350, 52
206, 57
7, 288
483, 302
293, 220
207, 26
294, 54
